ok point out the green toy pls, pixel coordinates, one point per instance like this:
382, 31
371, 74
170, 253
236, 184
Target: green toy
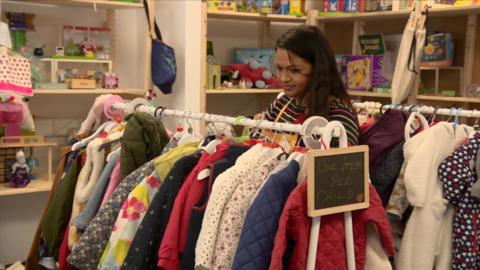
72, 49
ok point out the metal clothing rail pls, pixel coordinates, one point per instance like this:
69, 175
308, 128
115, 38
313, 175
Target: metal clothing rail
313, 125
420, 108
305, 129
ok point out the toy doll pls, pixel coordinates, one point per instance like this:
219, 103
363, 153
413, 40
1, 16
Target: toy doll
20, 172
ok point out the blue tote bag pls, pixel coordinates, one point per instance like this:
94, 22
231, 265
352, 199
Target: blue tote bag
164, 68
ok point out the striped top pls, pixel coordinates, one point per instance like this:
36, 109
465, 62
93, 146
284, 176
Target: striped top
342, 113
295, 114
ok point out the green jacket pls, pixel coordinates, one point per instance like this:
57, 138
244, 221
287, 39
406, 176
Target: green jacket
58, 212
143, 139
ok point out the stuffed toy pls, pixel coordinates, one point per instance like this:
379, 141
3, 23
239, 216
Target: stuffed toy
253, 74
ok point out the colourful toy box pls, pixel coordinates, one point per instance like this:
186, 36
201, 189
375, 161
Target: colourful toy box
221, 5
296, 6
333, 5
255, 6
264, 6
365, 72
351, 6
439, 50
281, 7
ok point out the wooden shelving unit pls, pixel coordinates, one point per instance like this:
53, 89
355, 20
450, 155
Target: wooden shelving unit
41, 184
388, 15
102, 4
108, 11
461, 21
368, 94
247, 16
88, 61
243, 91
134, 92
109, 7
466, 54
239, 98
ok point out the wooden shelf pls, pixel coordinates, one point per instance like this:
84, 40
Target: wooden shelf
449, 99
136, 92
17, 145
102, 4
368, 94
41, 184
244, 91
385, 15
90, 61
247, 16
441, 68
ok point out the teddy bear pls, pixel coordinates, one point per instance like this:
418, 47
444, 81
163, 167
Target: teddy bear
253, 74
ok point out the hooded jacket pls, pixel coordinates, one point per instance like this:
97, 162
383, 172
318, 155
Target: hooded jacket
143, 139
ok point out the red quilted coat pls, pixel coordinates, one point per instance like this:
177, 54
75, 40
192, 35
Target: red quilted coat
294, 227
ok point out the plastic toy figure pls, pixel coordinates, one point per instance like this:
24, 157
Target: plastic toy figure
20, 172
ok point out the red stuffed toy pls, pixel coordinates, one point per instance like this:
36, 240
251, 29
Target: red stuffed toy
254, 75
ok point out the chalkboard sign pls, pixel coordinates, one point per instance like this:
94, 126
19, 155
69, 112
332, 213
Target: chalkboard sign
337, 180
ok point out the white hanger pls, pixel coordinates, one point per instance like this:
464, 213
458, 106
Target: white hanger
110, 155
412, 120
334, 129
134, 103
188, 137
78, 145
307, 130
211, 146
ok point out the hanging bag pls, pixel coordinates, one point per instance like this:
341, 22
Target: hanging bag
164, 68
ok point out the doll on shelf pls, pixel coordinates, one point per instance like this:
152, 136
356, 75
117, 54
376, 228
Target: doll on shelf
20, 172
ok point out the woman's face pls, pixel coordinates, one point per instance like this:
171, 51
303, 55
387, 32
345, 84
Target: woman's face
293, 73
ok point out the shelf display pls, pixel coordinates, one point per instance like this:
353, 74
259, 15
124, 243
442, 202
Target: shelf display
263, 56
19, 172
81, 42
281, 7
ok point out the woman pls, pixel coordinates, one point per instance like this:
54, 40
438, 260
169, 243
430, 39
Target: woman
312, 86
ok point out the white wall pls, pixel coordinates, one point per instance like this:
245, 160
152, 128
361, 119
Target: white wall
180, 25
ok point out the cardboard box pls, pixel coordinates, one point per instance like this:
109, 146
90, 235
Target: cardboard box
359, 69
82, 84
378, 80
439, 50
297, 6
365, 72
333, 5
214, 74
281, 7
351, 6
264, 6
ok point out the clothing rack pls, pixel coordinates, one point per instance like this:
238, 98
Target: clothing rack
310, 126
423, 109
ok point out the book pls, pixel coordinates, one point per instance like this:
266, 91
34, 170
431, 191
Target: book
372, 44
